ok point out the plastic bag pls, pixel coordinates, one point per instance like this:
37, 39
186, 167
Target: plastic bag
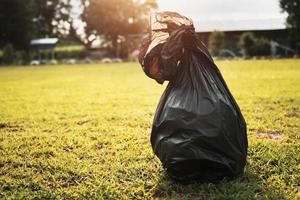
198, 130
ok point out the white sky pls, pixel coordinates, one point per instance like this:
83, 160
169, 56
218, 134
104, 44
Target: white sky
224, 15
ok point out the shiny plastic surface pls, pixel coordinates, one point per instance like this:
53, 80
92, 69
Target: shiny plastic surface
198, 130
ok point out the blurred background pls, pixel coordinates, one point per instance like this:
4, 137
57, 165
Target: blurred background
70, 129
85, 31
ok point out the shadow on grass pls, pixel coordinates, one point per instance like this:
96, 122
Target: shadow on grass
10, 128
249, 186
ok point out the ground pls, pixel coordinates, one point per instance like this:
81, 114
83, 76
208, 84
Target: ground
82, 132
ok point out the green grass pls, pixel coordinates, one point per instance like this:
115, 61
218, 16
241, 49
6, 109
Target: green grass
82, 132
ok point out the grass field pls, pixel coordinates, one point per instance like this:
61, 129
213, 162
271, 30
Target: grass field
82, 132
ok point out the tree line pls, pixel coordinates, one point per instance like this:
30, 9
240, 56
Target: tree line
107, 21
248, 44
85, 21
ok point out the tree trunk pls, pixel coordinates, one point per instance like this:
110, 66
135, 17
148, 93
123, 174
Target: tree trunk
115, 46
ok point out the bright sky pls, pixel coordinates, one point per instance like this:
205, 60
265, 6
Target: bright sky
228, 14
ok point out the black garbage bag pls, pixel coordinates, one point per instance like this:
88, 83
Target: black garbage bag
198, 130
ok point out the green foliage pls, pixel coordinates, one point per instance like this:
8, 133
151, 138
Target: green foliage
292, 8
70, 51
262, 47
252, 46
11, 56
246, 43
82, 132
46, 12
8, 56
216, 42
75, 53
16, 23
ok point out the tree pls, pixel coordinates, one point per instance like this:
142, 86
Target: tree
23, 20
252, 46
216, 42
114, 20
292, 7
262, 47
16, 23
246, 44
55, 17
44, 16
8, 54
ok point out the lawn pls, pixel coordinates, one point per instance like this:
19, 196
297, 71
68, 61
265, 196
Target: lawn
82, 132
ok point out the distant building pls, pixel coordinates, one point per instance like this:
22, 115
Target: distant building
44, 43
46, 46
